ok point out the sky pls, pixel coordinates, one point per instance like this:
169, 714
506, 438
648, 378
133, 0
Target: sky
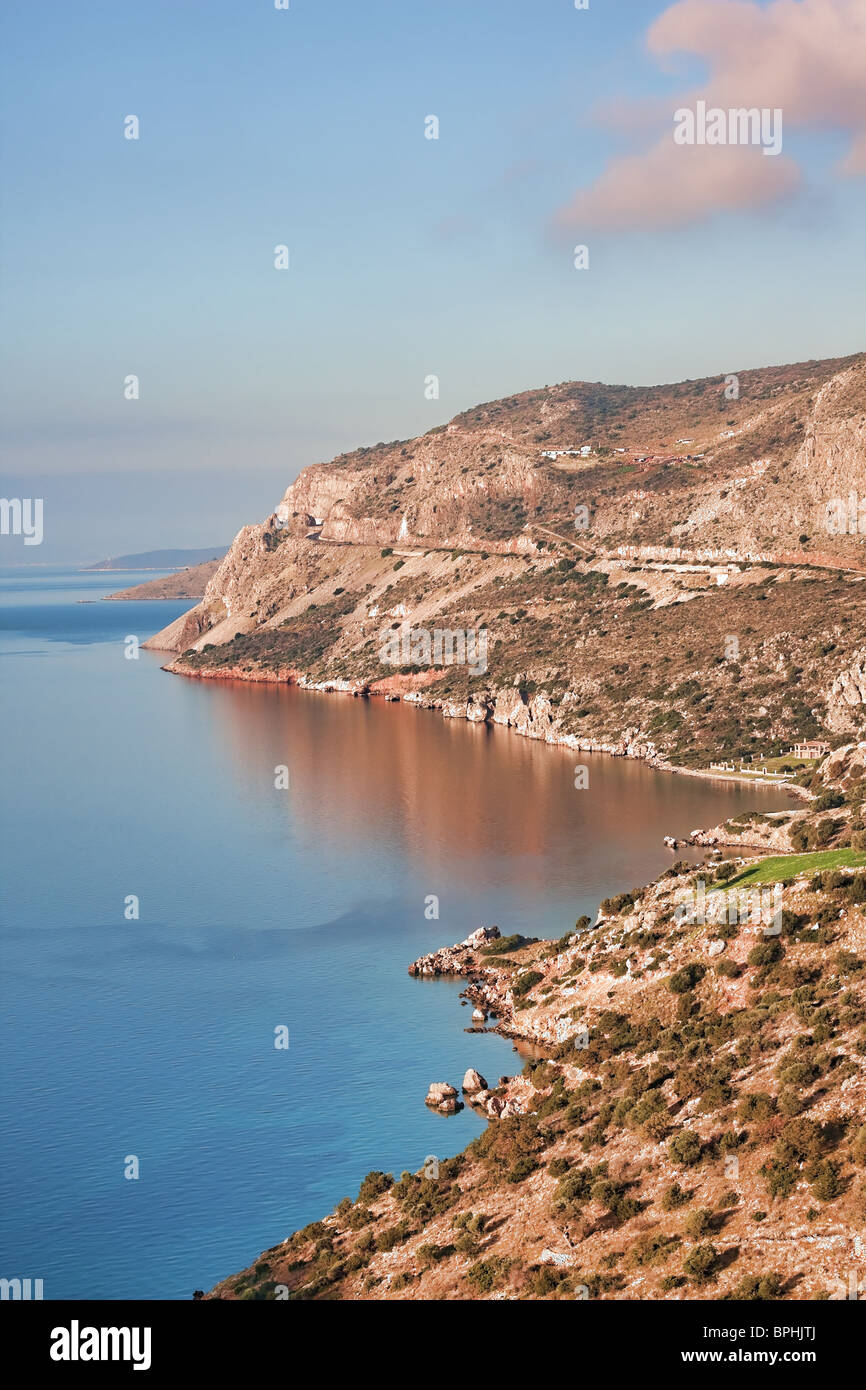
408, 257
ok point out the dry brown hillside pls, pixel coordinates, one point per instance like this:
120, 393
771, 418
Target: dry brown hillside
699, 607
689, 1122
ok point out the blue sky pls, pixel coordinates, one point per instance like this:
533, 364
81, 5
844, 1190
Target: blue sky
408, 256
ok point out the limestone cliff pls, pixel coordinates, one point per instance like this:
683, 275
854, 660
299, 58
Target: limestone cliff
660, 568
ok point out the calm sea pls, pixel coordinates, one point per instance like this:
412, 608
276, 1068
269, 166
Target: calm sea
258, 909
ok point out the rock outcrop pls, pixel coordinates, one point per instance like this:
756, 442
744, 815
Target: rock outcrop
846, 698
474, 1081
453, 960
441, 1096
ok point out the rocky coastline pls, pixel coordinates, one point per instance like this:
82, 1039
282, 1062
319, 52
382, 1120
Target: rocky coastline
529, 718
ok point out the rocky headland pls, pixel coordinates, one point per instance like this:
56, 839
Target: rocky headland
689, 1122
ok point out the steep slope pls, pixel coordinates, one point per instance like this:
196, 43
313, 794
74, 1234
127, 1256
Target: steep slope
690, 1121
689, 1124
186, 583
688, 605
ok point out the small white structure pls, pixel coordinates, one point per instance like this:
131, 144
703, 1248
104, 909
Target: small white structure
583, 452
812, 748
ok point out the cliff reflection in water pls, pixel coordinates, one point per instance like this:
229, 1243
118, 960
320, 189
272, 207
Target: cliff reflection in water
454, 795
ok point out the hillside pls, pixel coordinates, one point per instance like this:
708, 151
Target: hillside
690, 1120
689, 1123
186, 583
160, 559
685, 592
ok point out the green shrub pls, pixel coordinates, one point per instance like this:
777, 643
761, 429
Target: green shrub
701, 1265
825, 1181
797, 1073
674, 1197
392, 1236
484, 1275
375, 1185
757, 1288
611, 906
652, 1250
524, 983
430, 1254
612, 1195
780, 1180
504, 944
766, 953
574, 1188
699, 1223
504, 1145
685, 1148
685, 979
756, 1105
521, 1169
801, 1139
548, 1281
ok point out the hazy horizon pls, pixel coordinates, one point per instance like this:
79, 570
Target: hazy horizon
408, 256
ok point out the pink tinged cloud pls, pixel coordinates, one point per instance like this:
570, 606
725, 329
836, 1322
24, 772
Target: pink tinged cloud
803, 56
806, 56
855, 160
672, 185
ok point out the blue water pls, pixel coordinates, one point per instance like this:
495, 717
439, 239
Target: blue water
258, 908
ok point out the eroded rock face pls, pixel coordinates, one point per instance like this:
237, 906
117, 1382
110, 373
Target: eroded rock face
533, 717
844, 765
476, 710
847, 696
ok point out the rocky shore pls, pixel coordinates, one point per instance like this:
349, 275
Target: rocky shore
531, 717
687, 1123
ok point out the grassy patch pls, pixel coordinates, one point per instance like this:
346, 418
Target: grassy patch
782, 866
